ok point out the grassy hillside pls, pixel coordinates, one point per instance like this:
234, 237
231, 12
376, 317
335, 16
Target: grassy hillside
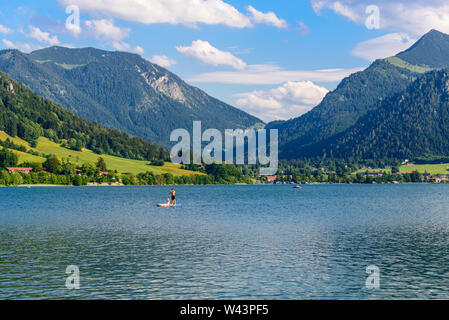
433, 169
28, 116
398, 62
26, 157
122, 165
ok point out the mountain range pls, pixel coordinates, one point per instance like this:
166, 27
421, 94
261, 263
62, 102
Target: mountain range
28, 116
361, 97
397, 108
410, 125
120, 90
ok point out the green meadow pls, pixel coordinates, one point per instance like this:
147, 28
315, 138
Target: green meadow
433, 169
122, 165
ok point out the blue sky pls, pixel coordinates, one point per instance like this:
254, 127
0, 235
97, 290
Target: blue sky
273, 59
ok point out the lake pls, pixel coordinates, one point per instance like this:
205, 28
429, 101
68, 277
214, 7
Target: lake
225, 242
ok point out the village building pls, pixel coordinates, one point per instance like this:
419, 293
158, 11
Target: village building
434, 179
374, 174
23, 170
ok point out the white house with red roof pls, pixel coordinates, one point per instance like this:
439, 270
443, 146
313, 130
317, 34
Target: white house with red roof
23, 170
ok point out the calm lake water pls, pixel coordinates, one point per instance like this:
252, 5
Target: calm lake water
225, 242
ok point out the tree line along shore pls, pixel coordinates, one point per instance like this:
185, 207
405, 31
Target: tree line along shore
56, 171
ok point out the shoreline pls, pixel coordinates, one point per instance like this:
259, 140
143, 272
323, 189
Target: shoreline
239, 184
62, 185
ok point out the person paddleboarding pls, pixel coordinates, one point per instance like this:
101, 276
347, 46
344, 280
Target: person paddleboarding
172, 197
171, 201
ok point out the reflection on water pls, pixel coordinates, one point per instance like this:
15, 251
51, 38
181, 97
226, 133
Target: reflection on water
226, 242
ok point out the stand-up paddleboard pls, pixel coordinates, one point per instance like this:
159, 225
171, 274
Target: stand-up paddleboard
165, 205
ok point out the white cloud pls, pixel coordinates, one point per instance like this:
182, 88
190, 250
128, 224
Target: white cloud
41, 36
239, 50
139, 50
24, 47
163, 61
302, 28
271, 74
414, 16
75, 30
5, 30
121, 46
186, 12
8, 44
126, 47
106, 29
206, 53
345, 11
287, 101
354, 11
383, 47
269, 18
